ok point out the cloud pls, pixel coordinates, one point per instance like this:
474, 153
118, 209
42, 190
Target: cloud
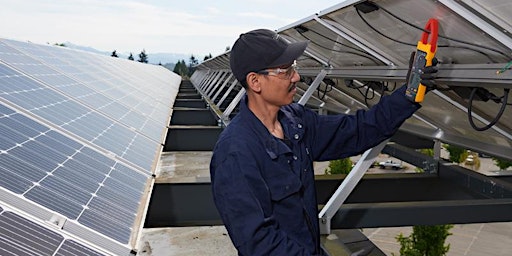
131, 25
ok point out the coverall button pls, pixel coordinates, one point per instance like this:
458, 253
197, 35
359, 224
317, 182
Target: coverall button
294, 157
296, 136
299, 126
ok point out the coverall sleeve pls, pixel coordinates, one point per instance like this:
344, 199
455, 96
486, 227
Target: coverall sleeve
339, 136
239, 193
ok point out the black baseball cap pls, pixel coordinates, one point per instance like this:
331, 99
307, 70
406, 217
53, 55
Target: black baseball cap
260, 49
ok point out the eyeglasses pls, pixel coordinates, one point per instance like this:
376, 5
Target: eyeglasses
283, 73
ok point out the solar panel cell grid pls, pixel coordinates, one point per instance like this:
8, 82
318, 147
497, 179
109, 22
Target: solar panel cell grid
19, 236
71, 181
80, 120
70, 247
79, 134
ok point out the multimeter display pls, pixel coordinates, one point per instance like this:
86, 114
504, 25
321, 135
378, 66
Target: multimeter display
415, 89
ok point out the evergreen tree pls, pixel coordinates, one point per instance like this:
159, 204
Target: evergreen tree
207, 57
425, 241
181, 68
114, 54
131, 57
192, 63
502, 163
143, 57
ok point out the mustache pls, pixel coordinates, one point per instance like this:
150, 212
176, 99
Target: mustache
292, 86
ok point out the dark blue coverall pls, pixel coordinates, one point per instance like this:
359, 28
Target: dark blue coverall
263, 186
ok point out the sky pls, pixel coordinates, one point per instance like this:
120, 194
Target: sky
156, 26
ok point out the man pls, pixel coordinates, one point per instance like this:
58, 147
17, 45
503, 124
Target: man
262, 165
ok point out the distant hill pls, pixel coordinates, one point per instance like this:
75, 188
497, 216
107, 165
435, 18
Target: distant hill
153, 58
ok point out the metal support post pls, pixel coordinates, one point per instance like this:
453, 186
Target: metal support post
312, 88
437, 149
231, 107
347, 186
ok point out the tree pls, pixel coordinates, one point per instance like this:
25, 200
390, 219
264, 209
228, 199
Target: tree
228, 48
457, 154
131, 57
502, 163
143, 57
181, 69
191, 65
114, 54
425, 241
207, 57
340, 166
61, 44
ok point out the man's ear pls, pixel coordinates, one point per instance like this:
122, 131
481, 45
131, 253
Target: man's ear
253, 82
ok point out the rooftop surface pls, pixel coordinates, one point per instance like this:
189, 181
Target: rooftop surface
469, 239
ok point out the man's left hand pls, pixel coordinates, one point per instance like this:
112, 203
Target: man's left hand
428, 75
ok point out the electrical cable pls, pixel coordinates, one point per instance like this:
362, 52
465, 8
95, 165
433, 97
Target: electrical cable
504, 104
370, 88
362, 54
445, 37
410, 44
336, 42
441, 36
327, 88
502, 99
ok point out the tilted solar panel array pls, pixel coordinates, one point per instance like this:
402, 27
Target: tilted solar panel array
79, 138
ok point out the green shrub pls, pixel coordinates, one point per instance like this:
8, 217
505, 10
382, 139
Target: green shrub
340, 166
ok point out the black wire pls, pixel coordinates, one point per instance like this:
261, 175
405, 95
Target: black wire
410, 44
336, 42
380, 33
496, 118
326, 89
445, 37
370, 89
338, 51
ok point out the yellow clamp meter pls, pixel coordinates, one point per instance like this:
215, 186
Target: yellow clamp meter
425, 52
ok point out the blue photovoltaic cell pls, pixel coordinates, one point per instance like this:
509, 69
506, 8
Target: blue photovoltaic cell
119, 192
68, 177
20, 236
79, 85
76, 118
70, 247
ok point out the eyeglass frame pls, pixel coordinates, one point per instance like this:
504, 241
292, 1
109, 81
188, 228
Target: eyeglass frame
277, 71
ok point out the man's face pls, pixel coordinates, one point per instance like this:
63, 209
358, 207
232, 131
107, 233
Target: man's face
278, 84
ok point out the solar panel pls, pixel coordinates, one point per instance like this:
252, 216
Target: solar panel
364, 48
79, 136
20, 236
